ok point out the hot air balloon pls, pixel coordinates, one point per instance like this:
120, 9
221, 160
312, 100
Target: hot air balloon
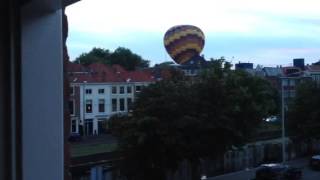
184, 43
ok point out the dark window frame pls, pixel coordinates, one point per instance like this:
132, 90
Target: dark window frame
101, 106
122, 104
88, 91
129, 89
89, 108
114, 90
100, 91
114, 105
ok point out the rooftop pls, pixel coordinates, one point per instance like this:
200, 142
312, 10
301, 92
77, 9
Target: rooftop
100, 73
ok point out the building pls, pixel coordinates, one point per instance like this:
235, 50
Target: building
248, 67
314, 72
99, 92
290, 79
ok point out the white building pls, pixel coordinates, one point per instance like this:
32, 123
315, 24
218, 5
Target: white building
100, 92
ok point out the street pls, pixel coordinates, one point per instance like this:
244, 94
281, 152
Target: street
308, 174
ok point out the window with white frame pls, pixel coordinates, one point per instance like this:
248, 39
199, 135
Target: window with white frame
114, 105
101, 105
138, 88
89, 106
73, 125
114, 90
121, 102
101, 91
71, 90
121, 89
88, 91
71, 107
129, 89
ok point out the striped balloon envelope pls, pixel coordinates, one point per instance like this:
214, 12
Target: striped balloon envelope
184, 42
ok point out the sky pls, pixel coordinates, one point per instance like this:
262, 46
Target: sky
265, 32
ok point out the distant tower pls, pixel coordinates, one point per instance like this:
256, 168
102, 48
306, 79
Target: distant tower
299, 62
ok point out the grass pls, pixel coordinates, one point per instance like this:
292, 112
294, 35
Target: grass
78, 150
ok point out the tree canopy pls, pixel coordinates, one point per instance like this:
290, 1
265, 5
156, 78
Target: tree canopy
122, 56
304, 112
177, 119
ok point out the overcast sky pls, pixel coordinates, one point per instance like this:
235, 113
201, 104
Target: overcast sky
267, 32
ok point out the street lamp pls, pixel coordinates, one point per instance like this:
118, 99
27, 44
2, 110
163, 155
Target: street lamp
84, 108
282, 121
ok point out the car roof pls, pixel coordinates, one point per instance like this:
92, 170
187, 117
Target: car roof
273, 165
316, 157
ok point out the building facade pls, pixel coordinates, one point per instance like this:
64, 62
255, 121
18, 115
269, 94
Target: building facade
99, 92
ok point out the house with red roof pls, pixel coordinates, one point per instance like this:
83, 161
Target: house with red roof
99, 91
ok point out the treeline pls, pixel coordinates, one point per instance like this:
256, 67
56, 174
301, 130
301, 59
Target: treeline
178, 119
122, 56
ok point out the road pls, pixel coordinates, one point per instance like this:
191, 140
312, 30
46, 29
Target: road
308, 174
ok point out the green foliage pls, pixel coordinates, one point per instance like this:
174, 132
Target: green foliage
165, 64
175, 120
304, 113
121, 56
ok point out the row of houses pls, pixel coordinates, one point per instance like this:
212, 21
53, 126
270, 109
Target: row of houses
98, 91
285, 79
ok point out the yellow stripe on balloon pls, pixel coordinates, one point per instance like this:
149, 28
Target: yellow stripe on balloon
178, 35
194, 46
185, 58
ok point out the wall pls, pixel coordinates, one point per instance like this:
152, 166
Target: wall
42, 93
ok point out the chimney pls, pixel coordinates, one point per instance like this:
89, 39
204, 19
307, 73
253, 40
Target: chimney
299, 62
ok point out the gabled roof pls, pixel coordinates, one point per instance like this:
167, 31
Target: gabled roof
313, 68
100, 73
272, 71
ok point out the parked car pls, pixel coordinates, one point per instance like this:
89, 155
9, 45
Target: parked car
314, 162
74, 137
278, 172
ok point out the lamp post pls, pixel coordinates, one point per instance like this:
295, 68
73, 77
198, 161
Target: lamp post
282, 121
84, 108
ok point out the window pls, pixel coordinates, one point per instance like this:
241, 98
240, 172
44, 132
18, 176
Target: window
114, 89
138, 88
71, 107
88, 106
114, 105
129, 103
121, 89
88, 91
101, 105
71, 90
73, 125
121, 104
101, 91
129, 90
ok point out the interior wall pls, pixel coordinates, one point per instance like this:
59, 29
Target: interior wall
42, 94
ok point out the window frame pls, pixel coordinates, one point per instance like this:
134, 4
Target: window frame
88, 91
114, 106
86, 106
129, 91
121, 90
101, 105
73, 107
101, 91
114, 90
122, 106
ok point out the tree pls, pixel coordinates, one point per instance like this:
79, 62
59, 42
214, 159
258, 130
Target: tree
96, 55
175, 120
304, 112
166, 64
121, 56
